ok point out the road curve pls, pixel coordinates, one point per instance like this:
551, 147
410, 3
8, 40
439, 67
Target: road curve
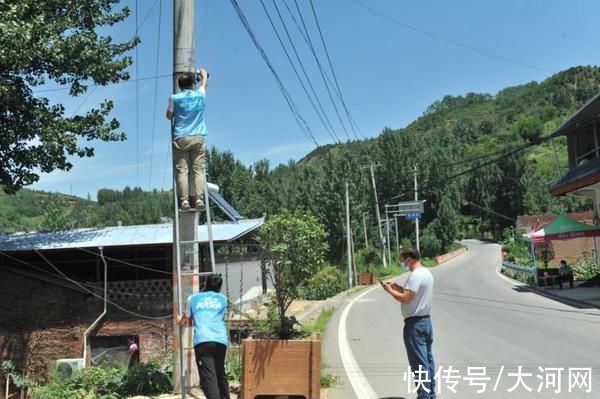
512, 340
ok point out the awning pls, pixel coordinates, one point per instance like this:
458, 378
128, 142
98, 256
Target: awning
562, 228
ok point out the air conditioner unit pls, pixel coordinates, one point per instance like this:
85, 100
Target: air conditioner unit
68, 367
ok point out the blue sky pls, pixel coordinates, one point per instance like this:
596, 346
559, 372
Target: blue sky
389, 72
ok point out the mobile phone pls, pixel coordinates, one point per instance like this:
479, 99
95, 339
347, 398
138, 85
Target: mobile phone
381, 282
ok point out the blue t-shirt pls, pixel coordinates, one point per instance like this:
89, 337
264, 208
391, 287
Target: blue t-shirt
207, 310
188, 108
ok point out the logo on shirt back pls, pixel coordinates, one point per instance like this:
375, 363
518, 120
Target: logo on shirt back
208, 303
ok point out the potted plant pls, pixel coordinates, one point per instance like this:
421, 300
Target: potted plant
368, 257
293, 249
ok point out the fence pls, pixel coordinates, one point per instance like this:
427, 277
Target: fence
525, 274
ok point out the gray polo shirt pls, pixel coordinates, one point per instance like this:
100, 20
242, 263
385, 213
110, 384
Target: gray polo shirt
420, 281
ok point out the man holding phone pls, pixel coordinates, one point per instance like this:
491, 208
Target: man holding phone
415, 298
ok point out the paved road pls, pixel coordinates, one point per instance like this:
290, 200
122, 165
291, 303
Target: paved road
479, 320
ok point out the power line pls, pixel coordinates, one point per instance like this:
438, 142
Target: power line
302, 66
450, 41
332, 70
99, 296
320, 68
137, 105
473, 169
305, 129
303, 35
125, 263
155, 93
330, 131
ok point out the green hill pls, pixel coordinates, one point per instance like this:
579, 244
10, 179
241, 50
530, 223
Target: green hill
481, 161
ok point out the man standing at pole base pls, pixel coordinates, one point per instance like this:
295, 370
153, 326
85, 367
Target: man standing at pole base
415, 298
186, 110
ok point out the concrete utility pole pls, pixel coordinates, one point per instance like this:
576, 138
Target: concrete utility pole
417, 219
387, 227
381, 246
186, 224
365, 229
397, 236
348, 237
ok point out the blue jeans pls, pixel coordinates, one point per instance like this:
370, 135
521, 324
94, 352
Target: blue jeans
418, 338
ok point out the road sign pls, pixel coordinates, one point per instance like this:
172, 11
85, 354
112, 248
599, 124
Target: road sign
405, 208
413, 216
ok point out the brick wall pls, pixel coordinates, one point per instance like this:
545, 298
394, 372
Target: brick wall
41, 322
569, 250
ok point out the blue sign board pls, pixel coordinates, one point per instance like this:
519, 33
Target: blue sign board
412, 216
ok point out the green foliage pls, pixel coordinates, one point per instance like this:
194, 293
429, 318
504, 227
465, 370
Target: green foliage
328, 380
56, 42
233, 363
147, 379
107, 383
544, 252
319, 324
368, 258
326, 283
17, 378
294, 246
586, 266
430, 244
530, 128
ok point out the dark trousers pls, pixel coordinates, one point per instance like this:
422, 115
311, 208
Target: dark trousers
566, 277
418, 339
210, 359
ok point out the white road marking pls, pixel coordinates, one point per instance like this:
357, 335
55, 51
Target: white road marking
360, 385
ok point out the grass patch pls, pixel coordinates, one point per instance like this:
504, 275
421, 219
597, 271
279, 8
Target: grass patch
319, 325
328, 380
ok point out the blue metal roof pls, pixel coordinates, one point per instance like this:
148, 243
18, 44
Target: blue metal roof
121, 236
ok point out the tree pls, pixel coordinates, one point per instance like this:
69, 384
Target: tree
294, 246
54, 218
54, 41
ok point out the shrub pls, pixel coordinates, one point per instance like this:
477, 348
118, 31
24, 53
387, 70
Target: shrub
107, 383
368, 258
326, 283
147, 379
585, 267
294, 246
430, 244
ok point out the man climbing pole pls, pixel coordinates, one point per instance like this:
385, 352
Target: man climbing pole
186, 111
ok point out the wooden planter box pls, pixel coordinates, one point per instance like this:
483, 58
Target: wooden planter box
366, 278
278, 367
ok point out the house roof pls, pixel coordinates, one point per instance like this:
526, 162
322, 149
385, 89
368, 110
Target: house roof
588, 112
152, 234
581, 176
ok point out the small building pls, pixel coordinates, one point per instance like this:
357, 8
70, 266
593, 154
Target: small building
582, 130
569, 250
51, 289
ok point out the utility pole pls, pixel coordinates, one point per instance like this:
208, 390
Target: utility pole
348, 237
387, 227
417, 219
365, 229
381, 246
185, 226
397, 236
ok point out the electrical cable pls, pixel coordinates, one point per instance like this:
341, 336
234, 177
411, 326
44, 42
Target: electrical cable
137, 105
124, 262
321, 69
330, 128
312, 6
305, 129
155, 94
99, 296
450, 41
